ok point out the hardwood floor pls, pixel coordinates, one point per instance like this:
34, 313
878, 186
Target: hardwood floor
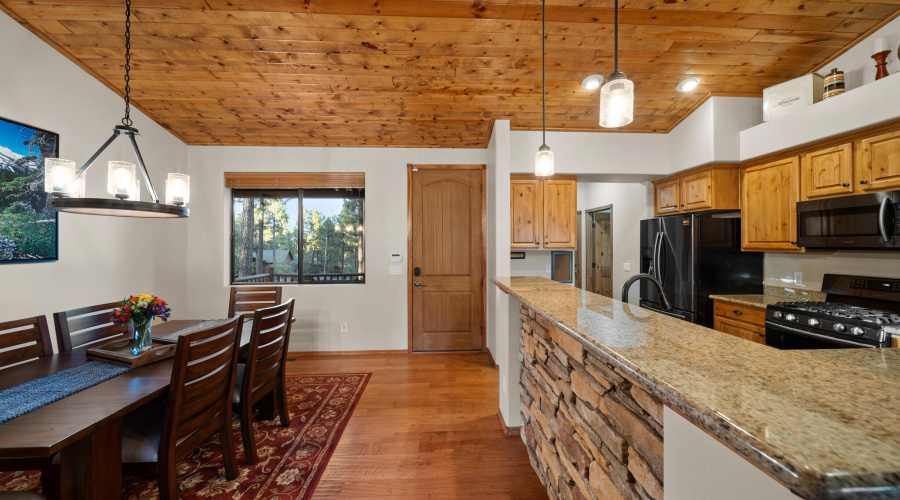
426, 427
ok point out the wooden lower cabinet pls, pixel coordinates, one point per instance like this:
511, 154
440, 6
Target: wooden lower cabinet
748, 323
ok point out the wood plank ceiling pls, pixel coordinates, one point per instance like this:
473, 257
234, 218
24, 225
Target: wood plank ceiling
433, 73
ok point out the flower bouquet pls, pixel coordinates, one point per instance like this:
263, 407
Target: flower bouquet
140, 311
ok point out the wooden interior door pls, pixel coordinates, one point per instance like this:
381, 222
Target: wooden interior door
602, 253
769, 207
560, 213
526, 206
446, 220
696, 191
828, 172
880, 166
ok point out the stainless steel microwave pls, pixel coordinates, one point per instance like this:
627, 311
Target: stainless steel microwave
864, 221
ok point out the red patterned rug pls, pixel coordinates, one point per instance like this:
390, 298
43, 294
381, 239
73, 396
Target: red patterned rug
291, 459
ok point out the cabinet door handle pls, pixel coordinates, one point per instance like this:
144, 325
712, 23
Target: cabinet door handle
845, 185
739, 313
794, 243
762, 334
863, 182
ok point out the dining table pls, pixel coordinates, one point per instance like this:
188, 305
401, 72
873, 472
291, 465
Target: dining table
85, 428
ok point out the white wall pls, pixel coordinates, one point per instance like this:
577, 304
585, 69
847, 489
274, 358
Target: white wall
592, 152
498, 221
376, 312
534, 264
631, 203
712, 132
101, 259
779, 268
857, 63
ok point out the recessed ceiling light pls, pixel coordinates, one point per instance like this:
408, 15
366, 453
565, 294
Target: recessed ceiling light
592, 82
688, 84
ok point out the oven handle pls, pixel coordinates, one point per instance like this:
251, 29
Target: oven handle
804, 333
883, 214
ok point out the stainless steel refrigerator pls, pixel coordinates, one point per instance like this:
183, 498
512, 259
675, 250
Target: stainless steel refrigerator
694, 256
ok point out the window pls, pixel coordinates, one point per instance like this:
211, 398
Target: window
275, 230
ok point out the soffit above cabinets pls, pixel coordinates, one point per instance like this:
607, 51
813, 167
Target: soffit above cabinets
432, 73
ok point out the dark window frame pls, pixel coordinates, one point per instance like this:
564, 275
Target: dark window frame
312, 193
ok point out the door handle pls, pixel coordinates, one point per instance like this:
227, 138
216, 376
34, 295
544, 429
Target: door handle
737, 312
417, 283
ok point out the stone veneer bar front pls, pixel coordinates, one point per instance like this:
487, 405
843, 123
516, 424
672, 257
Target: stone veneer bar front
596, 373
591, 432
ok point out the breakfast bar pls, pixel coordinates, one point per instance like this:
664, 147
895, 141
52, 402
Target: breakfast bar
822, 423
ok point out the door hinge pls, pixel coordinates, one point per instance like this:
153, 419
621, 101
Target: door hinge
481, 188
593, 224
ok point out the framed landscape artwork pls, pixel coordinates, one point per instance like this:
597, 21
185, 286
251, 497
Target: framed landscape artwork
28, 231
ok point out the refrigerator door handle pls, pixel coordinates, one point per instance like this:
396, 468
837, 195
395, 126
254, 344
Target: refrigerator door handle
661, 242
667, 313
653, 262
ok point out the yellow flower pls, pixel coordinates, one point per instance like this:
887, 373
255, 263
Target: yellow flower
147, 297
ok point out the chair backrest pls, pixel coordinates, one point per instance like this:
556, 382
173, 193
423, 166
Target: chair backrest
87, 325
267, 352
201, 389
23, 340
247, 299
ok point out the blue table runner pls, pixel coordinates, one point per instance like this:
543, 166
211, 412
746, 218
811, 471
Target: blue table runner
39, 392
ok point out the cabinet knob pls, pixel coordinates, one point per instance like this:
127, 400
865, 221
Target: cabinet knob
682, 204
739, 313
762, 334
845, 185
793, 243
863, 182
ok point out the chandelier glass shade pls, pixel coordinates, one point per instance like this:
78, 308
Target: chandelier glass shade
617, 94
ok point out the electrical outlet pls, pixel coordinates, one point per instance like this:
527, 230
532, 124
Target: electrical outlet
503, 381
548, 268
343, 327
626, 266
798, 278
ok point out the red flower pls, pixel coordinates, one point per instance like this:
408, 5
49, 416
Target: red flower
126, 318
127, 309
117, 313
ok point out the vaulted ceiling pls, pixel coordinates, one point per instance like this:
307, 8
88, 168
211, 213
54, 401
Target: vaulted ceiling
433, 73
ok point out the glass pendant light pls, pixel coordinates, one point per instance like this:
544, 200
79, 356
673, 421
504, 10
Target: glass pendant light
617, 95
61, 178
122, 181
543, 159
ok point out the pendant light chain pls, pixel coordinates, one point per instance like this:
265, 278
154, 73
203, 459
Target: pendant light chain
617, 34
544, 70
127, 120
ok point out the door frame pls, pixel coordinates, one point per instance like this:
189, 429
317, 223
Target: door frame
589, 242
409, 248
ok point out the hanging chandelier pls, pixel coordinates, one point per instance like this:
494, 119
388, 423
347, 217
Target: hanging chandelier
543, 159
617, 95
65, 184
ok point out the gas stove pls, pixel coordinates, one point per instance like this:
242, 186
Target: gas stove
858, 312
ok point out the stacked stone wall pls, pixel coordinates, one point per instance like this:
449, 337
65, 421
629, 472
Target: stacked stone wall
591, 432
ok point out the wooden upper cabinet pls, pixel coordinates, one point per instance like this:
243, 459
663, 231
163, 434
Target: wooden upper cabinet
696, 191
543, 212
828, 172
769, 206
879, 165
526, 210
711, 187
560, 213
667, 194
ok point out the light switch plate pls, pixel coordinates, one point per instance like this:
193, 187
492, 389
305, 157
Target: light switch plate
548, 268
626, 266
395, 269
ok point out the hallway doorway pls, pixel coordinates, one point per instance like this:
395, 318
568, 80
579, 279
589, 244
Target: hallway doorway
598, 255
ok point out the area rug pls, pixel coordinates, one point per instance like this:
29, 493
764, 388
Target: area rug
291, 459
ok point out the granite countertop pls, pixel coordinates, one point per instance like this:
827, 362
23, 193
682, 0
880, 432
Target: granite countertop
822, 422
771, 295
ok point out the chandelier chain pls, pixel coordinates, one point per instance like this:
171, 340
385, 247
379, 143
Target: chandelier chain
127, 120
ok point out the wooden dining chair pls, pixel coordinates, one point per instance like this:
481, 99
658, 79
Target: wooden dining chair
247, 299
87, 325
263, 374
23, 340
198, 406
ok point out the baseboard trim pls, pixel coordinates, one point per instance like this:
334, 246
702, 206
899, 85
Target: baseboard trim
509, 431
343, 353
491, 356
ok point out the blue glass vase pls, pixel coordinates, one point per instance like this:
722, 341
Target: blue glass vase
142, 340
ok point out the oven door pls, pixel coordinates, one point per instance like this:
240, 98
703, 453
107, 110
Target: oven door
789, 337
866, 221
